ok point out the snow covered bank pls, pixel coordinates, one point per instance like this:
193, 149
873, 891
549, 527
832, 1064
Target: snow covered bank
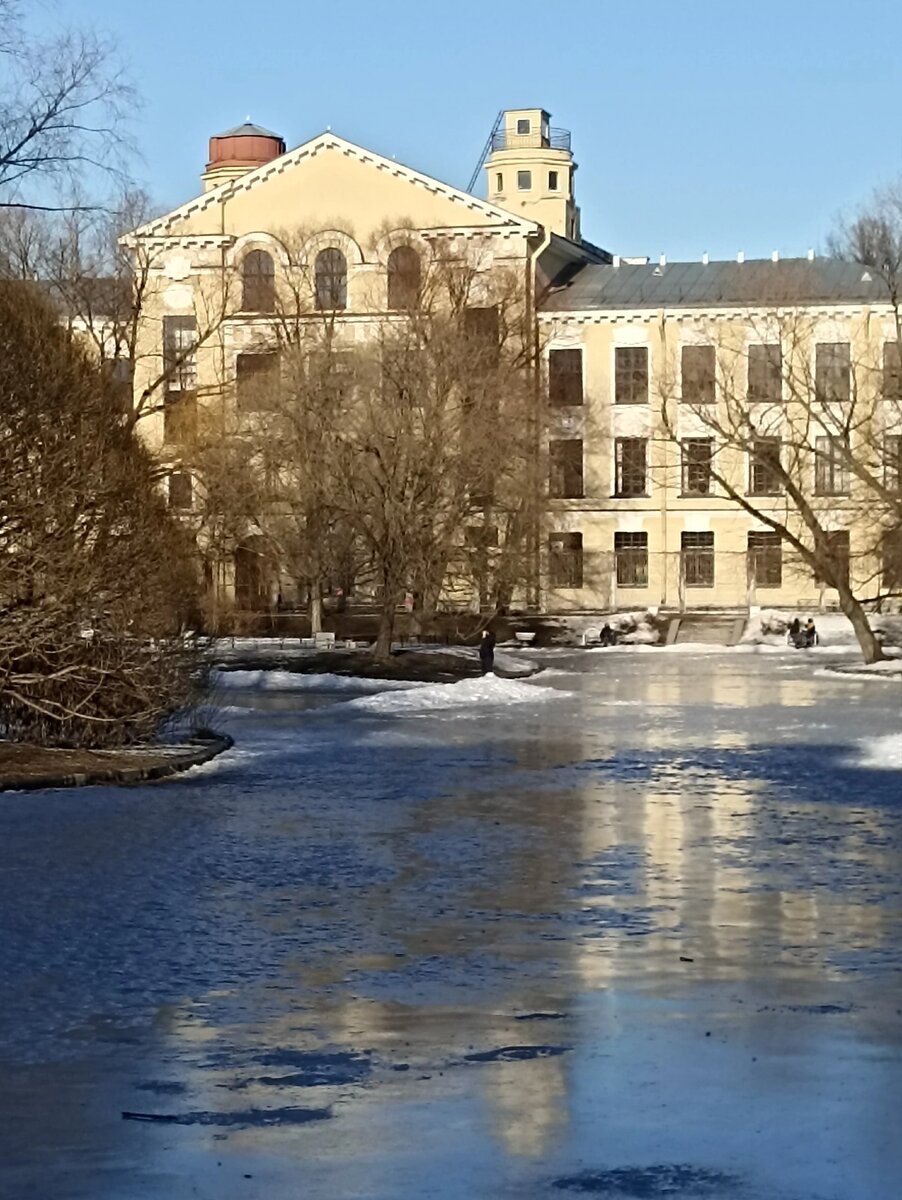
884, 753
295, 681
466, 694
887, 669
769, 626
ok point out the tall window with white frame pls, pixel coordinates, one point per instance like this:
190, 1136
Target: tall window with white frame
698, 365
765, 473
832, 372
180, 378
258, 282
697, 459
765, 373
765, 559
697, 558
631, 559
565, 377
630, 374
831, 471
330, 280
565, 560
630, 466
565, 469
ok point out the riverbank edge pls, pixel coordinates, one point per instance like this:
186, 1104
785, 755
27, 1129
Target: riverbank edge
199, 752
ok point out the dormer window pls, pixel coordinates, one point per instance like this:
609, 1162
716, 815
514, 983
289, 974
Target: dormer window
524, 181
523, 125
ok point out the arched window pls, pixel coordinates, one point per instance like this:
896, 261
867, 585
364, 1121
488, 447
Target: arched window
331, 273
403, 278
258, 280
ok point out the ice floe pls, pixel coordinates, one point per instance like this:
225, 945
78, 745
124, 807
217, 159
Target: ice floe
465, 694
296, 681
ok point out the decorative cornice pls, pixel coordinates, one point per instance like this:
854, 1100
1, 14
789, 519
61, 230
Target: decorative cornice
330, 141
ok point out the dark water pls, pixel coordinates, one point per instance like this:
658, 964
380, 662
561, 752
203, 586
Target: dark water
639, 938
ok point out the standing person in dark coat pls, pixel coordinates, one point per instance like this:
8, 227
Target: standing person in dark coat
795, 631
487, 651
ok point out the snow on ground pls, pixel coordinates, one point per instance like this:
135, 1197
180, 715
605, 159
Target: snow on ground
769, 625
294, 681
884, 753
465, 694
889, 669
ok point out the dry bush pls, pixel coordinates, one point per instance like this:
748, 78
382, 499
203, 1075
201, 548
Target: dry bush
96, 580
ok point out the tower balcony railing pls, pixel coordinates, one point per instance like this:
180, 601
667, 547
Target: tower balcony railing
550, 139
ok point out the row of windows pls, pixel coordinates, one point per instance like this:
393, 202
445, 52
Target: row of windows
764, 381
765, 469
330, 280
524, 181
764, 559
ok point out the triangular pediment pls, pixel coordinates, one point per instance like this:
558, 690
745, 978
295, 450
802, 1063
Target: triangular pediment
322, 182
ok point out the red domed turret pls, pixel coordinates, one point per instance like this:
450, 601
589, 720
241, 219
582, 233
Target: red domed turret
239, 150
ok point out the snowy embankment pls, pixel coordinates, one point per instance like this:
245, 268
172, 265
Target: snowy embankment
467, 695
882, 753
296, 681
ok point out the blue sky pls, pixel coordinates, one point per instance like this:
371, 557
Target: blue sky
696, 125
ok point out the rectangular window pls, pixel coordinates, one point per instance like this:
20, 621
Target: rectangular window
832, 372
482, 328
180, 353
764, 467
257, 382
524, 180
630, 466
892, 462
565, 560
552, 181
565, 469
180, 378
523, 125
697, 559
631, 558
698, 374
765, 383
765, 560
565, 377
697, 456
499, 182
831, 475
892, 371
892, 560
631, 374
835, 568
180, 490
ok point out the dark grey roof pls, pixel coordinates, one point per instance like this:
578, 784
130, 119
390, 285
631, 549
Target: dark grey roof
696, 284
249, 129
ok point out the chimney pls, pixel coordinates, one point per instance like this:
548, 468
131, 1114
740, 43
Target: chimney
705, 259
810, 255
740, 256
239, 150
616, 260
775, 256
662, 262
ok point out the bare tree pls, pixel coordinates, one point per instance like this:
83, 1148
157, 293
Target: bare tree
63, 101
96, 580
795, 439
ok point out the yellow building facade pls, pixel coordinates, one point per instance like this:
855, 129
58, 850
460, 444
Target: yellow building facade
636, 359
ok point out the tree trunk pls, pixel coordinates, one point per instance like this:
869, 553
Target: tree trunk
382, 648
867, 639
315, 609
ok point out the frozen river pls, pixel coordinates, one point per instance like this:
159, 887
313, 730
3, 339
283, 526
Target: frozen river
632, 929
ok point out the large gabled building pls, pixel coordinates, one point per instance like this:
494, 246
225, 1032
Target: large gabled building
630, 352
